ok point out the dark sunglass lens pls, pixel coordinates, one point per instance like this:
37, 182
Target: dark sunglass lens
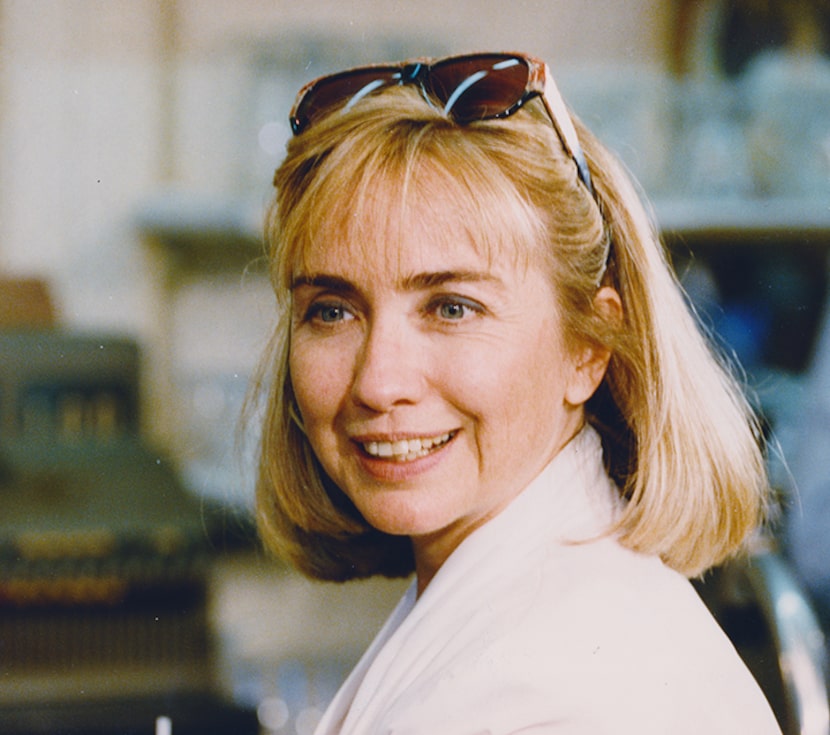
478, 87
341, 90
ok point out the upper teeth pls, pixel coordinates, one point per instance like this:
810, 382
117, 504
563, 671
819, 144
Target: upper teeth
405, 448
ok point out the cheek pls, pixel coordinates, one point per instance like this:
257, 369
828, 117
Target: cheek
318, 382
530, 391
499, 390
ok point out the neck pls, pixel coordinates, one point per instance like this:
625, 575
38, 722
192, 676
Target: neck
432, 550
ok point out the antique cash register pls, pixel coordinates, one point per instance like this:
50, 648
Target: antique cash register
104, 555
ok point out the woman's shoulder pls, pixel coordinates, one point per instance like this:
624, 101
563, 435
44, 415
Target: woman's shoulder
625, 646
602, 601
628, 635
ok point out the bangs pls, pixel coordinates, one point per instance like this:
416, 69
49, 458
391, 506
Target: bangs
379, 185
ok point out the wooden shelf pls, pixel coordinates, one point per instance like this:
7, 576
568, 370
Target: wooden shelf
750, 221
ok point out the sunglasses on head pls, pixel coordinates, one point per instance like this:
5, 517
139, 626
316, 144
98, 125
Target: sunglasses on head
466, 88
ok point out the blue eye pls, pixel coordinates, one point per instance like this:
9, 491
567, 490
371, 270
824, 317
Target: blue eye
452, 310
455, 308
331, 313
327, 313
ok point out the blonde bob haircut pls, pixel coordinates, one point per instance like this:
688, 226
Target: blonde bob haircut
678, 435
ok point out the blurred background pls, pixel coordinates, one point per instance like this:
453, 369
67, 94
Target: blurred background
137, 143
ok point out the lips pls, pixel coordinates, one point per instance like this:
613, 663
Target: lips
406, 450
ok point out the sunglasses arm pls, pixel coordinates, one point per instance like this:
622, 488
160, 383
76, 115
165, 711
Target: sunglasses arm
561, 118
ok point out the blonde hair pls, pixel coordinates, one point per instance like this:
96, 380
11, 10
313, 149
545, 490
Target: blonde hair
678, 434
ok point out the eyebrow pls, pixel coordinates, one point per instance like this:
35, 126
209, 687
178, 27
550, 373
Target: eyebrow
439, 278
321, 280
415, 282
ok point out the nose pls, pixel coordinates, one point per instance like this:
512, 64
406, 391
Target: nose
390, 369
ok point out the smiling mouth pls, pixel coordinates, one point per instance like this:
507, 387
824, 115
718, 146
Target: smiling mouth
406, 450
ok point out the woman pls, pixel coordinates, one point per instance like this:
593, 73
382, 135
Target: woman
485, 374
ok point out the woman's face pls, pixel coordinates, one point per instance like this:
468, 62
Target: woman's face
432, 378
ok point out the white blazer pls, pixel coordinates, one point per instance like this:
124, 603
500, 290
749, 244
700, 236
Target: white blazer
525, 631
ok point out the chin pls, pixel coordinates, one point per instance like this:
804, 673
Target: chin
399, 518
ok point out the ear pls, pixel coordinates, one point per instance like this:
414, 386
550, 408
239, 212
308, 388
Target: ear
591, 361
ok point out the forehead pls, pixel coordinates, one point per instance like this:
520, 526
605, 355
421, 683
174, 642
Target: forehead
393, 241
421, 218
